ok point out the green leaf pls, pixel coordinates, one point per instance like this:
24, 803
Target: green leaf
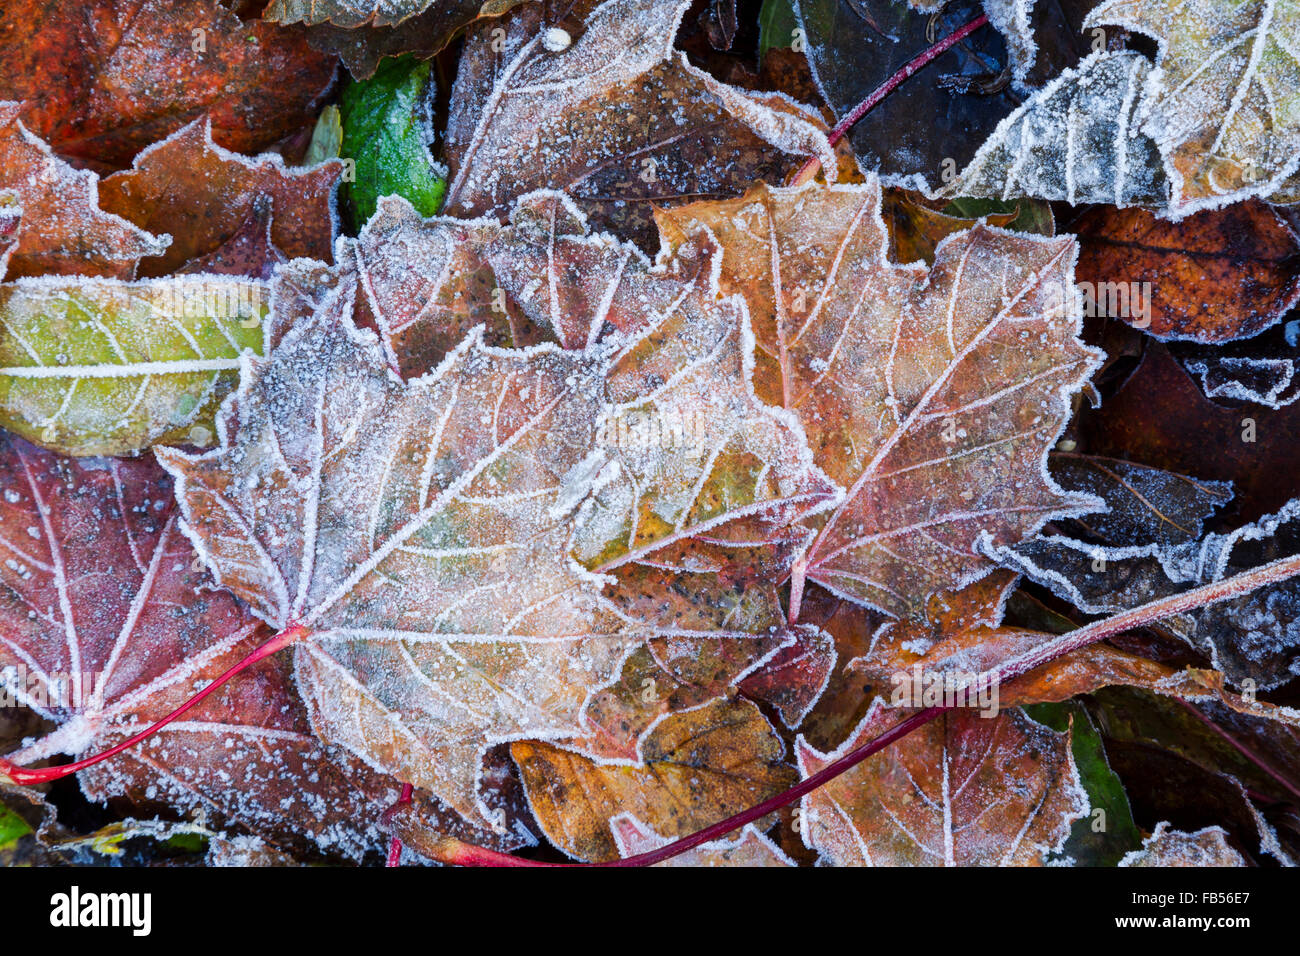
12, 826
1032, 215
1095, 840
776, 25
386, 133
102, 367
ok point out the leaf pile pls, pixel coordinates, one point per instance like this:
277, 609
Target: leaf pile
612, 446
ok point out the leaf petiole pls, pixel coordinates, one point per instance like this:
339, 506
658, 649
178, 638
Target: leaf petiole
24, 777
809, 169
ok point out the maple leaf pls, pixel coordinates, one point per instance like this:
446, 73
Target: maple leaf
63, 228
1225, 110
1169, 847
470, 485
931, 394
686, 447
616, 118
340, 492
1074, 140
99, 366
751, 848
148, 68
699, 767
1214, 276
965, 791
190, 188
110, 623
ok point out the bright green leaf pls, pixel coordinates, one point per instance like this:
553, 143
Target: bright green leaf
12, 826
386, 133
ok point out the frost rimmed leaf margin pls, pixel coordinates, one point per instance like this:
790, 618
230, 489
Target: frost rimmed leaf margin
332, 496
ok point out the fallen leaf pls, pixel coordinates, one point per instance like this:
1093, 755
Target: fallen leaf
133, 73
751, 848
964, 791
363, 48
98, 366
1160, 418
190, 188
63, 229
1169, 847
1212, 277
351, 13
948, 435
1074, 140
387, 134
1227, 132
700, 767
612, 116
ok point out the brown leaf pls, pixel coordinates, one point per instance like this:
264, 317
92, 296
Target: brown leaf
1170, 847
751, 848
341, 491
1160, 418
132, 73
362, 45
200, 194
1213, 277
700, 767
63, 230
963, 790
615, 117
932, 395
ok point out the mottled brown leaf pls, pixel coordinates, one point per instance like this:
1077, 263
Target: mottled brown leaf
131, 73
931, 394
700, 767
615, 117
963, 790
190, 188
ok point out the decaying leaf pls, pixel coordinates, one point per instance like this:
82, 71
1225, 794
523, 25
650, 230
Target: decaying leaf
341, 490
98, 366
133, 73
1077, 139
1225, 103
751, 848
63, 229
612, 116
110, 623
1160, 418
699, 767
1212, 277
932, 395
1169, 847
965, 791
363, 48
200, 194
351, 13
